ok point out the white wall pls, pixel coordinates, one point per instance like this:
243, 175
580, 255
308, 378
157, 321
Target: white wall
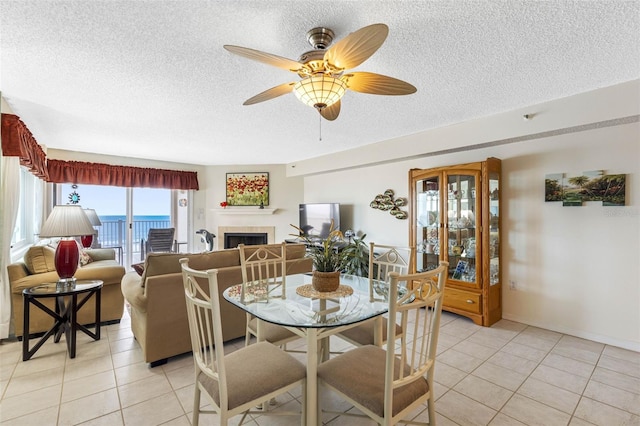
576, 269
285, 193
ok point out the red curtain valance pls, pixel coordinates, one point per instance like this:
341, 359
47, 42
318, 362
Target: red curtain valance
17, 141
106, 174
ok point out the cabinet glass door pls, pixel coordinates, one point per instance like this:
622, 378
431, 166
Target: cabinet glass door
462, 214
494, 228
428, 214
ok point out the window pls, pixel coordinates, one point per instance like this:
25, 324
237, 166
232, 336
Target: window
26, 222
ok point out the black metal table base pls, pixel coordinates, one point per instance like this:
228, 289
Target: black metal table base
65, 316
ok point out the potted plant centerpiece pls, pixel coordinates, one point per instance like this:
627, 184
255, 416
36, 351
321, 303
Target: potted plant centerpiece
327, 259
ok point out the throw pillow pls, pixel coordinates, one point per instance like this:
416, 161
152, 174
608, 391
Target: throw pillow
40, 259
139, 268
85, 259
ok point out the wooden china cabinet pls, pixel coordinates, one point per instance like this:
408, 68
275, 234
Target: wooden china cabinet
455, 216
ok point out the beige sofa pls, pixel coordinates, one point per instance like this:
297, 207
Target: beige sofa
37, 267
157, 305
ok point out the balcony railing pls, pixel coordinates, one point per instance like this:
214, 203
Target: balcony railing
114, 234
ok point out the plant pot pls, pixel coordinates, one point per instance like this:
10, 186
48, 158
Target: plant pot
325, 281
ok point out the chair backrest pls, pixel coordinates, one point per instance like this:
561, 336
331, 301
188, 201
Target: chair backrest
384, 259
205, 325
418, 312
160, 240
263, 272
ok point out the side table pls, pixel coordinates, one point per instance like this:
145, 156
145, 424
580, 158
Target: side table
65, 314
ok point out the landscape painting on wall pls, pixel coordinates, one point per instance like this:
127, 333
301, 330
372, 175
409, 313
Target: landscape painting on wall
248, 189
589, 186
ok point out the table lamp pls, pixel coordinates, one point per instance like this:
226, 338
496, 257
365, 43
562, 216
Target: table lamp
66, 221
87, 240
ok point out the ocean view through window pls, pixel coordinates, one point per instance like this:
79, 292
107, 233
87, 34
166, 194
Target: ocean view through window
113, 230
117, 207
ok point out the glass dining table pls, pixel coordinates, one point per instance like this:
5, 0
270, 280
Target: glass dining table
313, 316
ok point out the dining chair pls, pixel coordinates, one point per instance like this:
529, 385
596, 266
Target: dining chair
382, 260
237, 382
396, 380
263, 277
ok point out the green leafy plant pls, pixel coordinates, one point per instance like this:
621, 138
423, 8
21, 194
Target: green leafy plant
324, 253
355, 257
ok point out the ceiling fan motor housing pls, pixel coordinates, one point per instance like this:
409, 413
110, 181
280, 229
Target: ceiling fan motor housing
320, 37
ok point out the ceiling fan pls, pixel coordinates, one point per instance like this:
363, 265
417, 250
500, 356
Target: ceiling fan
322, 70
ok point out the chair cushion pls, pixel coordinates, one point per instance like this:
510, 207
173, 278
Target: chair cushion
364, 381
254, 371
363, 333
272, 333
40, 259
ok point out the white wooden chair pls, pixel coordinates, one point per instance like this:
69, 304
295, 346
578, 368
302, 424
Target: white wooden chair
383, 259
395, 381
263, 277
245, 378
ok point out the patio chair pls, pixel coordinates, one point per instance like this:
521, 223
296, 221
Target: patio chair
158, 240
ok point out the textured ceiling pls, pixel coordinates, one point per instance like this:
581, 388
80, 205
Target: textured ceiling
150, 79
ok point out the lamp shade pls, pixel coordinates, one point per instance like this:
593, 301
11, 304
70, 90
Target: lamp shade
320, 91
93, 217
66, 221
87, 240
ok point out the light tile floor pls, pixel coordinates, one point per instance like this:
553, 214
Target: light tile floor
509, 374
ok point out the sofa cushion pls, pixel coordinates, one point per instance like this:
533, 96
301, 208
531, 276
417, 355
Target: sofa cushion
138, 267
169, 263
85, 259
40, 259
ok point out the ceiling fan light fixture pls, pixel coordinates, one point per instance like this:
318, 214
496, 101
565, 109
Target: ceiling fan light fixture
320, 91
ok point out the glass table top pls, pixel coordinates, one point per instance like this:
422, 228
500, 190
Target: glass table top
297, 310
58, 289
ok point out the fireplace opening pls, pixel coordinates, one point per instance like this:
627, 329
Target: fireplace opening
232, 239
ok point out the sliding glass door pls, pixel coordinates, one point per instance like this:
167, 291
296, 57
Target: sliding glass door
151, 209
126, 214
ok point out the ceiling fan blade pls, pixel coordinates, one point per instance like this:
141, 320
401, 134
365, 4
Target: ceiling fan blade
357, 47
377, 84
331, 112
274, 92
264, 57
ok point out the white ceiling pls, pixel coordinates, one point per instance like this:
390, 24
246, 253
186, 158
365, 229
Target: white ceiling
150, 79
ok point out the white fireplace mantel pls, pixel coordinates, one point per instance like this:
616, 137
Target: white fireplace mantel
244, 211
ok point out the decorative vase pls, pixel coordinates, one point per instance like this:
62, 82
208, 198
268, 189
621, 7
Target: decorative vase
325, 281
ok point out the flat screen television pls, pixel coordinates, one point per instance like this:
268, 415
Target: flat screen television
315, 219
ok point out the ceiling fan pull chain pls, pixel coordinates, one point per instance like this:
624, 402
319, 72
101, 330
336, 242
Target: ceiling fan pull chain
320, 127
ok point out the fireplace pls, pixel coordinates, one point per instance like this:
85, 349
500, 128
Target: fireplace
233, 239
231, 236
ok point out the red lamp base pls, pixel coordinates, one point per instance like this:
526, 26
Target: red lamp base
66, 259
86, 240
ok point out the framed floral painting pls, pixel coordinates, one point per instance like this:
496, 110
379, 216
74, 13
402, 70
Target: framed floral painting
248, 189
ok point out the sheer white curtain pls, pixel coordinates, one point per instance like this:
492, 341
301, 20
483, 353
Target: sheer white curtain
9, 202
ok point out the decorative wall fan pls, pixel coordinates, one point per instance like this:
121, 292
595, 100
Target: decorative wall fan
323, 70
